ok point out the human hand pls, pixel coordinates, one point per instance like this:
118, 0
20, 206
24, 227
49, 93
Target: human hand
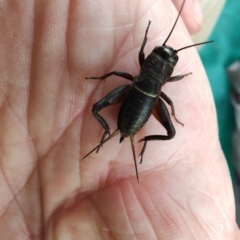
191, 14
47, 49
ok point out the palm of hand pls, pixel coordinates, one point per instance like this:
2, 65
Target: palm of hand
47, 126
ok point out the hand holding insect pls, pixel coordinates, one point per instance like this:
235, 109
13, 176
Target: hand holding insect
144, 96
184, 169
46, 125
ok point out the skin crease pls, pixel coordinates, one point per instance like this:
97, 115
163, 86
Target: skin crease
46, 127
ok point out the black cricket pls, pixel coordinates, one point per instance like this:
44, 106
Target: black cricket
143, 97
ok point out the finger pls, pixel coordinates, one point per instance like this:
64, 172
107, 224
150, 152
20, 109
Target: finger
191, 14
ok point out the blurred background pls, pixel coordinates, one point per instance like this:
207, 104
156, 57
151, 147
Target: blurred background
222, 64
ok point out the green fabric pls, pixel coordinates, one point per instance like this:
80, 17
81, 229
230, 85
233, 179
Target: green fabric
216, 58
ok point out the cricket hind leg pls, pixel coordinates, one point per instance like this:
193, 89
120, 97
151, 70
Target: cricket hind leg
163, 116
114, 97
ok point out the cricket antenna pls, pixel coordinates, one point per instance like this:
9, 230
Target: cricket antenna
180, 49
174, 23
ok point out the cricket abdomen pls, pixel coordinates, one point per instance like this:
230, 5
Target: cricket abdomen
134, 112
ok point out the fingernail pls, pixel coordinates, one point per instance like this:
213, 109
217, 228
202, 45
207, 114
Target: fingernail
198, 17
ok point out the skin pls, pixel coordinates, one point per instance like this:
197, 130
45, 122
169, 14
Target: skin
46, 126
